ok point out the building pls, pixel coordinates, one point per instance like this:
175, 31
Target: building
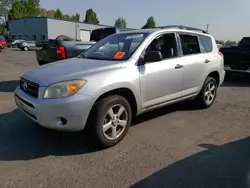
43, 28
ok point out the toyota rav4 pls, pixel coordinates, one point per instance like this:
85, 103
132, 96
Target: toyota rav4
122, 76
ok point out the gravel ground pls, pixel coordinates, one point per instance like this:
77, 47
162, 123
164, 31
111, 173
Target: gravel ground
176, 146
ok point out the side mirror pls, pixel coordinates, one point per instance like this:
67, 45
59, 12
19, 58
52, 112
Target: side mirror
152, 56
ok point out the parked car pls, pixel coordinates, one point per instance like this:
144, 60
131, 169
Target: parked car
8, 40
16, 43
54, 50
122, 76
237, 58
27, 45
3, 43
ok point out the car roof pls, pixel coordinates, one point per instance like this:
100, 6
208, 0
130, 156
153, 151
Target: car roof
159, 30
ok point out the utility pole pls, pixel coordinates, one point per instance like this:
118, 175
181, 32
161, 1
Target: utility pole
207, 27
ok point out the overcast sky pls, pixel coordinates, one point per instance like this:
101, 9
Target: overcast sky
227, 19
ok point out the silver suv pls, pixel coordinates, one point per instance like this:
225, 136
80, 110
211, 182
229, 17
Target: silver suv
121, 76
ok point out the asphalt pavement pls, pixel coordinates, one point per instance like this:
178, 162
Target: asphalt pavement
175, 146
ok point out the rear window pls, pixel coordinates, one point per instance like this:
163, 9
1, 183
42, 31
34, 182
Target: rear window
245, 42
99, 34
206, 43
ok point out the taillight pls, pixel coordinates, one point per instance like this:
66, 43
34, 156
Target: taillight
221, 54
61, 52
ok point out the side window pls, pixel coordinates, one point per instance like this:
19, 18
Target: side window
190, 44
166, 44
206, 43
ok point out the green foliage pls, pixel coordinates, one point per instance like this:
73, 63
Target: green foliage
50, 13
226, 43
91, 17
121, 23
24, 8
58, 14
5, 5
150, 23
3, 29
66, 17
75, 17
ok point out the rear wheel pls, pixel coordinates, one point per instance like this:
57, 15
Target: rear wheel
111, 119
1, 48
26, 48
208, 93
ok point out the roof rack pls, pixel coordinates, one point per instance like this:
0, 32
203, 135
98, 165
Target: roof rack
181, 27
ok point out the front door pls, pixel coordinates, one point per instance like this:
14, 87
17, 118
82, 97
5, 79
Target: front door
161, 81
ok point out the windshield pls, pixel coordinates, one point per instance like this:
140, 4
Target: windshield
115, 47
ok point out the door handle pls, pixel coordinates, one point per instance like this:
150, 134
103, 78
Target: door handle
206, 61
178, 66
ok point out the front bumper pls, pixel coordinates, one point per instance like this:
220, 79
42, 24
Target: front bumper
52, 113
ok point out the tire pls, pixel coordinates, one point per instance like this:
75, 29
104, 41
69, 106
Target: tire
204, 94
100, 116
1, 49
26, 48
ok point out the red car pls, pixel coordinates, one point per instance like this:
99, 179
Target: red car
3, 43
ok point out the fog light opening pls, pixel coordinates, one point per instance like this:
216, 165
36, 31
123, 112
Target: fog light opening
61, 121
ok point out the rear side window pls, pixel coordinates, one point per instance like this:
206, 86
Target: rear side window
190, 44
206, 43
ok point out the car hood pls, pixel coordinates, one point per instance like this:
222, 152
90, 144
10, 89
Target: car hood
69, 69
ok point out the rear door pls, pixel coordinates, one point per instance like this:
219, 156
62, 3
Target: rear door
194, 61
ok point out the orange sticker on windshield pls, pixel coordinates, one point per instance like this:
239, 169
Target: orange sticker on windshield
119, 55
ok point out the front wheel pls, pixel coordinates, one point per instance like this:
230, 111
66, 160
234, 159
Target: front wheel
0, 49
208, 93
111, 119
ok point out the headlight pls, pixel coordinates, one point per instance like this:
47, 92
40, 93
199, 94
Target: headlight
63, 89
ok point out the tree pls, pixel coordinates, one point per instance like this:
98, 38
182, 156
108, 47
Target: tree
51, 13
75, 17
32, 7
43, 12
66, 17
150, 23
5, 5
17, 11
91, 17
24, 8
58, 14
121, 23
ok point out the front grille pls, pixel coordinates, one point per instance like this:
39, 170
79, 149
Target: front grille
29, 87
